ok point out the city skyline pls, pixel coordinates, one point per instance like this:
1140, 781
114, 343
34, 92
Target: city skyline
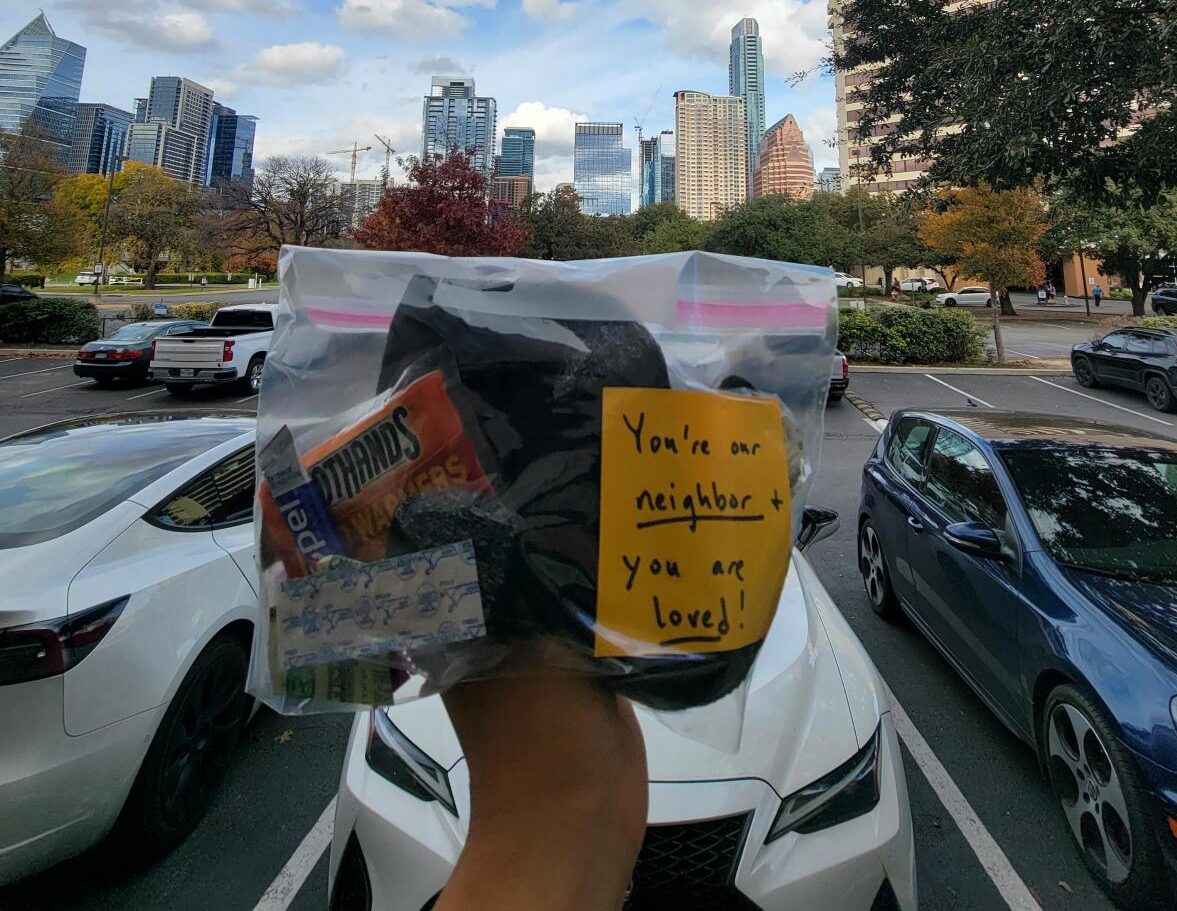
311, 98
603, 169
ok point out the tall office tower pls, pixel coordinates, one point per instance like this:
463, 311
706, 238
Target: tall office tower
745, 77
454, 115
518, 148
140, 110
784, 163
829, 180
99, 139
510, 191
40, 81
657, 169
711, 171
175, 136
602, 169
230, 154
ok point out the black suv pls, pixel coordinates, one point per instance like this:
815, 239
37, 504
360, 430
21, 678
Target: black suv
1140, 359
1164, 300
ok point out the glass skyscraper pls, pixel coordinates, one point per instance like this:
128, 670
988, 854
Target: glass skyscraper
602, 169
40, 81
100, 137
453, 115
657, 172
745, 77
518, 153
230, 155
175, 136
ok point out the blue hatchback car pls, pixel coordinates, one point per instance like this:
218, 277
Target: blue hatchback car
1039, 555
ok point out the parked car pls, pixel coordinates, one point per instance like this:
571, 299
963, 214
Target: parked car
842, 280
126, 550
86, 278
1038, 553
971, 294
1164, 300
839, 377
1144, 360
811, 811
127, 353
919, 284
230, 349
10, 293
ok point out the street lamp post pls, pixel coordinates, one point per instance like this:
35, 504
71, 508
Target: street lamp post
1083, 275
115, 161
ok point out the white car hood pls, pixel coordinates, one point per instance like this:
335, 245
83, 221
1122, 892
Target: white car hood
789, 726
34, 580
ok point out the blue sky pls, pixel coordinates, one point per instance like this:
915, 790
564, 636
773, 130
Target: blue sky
322, 73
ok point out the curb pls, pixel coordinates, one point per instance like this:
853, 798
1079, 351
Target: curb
966, 371
39, 353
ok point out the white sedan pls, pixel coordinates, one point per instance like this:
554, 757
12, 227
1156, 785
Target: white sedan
919, 284
810, 811
842, 280
977, 295
126, 614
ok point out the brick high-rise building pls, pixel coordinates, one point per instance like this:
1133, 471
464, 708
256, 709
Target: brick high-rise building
711, 170
784, 163
510, 190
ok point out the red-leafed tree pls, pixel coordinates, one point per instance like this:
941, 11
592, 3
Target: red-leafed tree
444, 208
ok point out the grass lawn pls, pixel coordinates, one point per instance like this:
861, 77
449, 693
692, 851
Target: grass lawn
158, 291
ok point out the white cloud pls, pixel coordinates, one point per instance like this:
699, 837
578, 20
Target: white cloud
551, 170
184, 31
140, 22
279, 9
438, 65
418, 18
283, 65
340, 133
549, 9
224, 89
820, 126
555, 128
794, 33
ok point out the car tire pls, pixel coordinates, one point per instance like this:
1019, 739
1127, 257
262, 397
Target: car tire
252, 381
179, 388
872, 564
1096, 783
1084, 373
950, 302
191, 749
1159, 393
834, 397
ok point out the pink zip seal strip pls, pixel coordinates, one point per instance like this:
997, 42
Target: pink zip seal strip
763, 316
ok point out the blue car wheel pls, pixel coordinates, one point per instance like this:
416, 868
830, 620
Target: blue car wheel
875, 579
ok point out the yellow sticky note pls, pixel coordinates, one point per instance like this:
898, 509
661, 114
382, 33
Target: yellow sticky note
695, 521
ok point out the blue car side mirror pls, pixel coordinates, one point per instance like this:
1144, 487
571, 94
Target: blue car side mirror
975, 538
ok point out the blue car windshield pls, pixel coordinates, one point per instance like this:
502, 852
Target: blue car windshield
1109, 511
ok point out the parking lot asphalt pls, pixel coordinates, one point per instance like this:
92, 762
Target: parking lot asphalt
989, 835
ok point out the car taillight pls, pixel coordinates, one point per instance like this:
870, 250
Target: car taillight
52, 647
123, 354
845, 368
227, 354
85, 355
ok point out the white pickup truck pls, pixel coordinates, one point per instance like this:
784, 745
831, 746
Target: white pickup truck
231, 349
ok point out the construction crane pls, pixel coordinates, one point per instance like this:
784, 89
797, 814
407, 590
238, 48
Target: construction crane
388, 153
638, 121
354, 152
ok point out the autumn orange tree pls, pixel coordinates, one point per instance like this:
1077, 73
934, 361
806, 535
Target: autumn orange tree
444, 208
992, 234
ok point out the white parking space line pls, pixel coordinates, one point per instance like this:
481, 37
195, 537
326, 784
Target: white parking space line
1033, 357
877, 424
967, 395
29, 395
248, 398
10, 376
291, 877
1139, 414
144, 395
1013, 890
9, 360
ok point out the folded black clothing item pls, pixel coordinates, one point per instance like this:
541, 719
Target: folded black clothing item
533, 388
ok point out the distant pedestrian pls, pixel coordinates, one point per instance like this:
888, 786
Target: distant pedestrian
203, 282
1050, 291
1097, 293
1042, 296
894, 289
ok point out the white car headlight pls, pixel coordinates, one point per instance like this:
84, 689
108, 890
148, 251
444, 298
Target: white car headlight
395, 758
848, 791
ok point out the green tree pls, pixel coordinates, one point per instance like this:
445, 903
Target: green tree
32, 224
1080, 94
991, 234
560, 231
675, 235
781, 228
154, 215
1134, 241
84, 197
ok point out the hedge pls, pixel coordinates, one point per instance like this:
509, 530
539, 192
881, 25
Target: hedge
868, 291
196, 309
49, 321
1159, 322
909, 335
27, 279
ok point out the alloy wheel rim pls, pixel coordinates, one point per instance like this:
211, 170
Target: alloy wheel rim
1090, 792
201, 743
1083, 371
255, 377
1158, 395
870, 559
